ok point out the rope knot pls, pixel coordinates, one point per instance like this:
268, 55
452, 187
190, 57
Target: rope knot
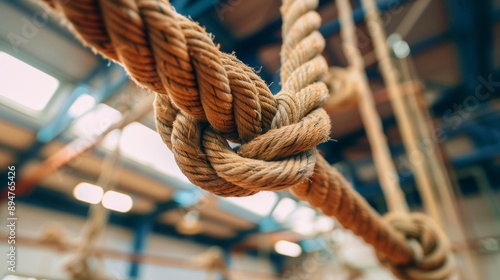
341, 83
280, 157
432, 258
277, 134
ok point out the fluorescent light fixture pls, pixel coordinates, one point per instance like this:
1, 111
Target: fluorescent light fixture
88, 193
323, 224
116, 201
144, 145
284, 208
261, 203
25, 84
82, 105
287, 248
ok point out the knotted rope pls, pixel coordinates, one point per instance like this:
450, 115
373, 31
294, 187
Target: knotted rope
54, 235
341, 83
427, 263
432, 260
206, 97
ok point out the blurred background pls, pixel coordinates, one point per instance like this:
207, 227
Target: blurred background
60, 105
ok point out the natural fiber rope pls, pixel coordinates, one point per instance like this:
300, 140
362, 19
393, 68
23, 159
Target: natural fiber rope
386, 170
341, 83
390, 77
79, 268
205, 97
436, 260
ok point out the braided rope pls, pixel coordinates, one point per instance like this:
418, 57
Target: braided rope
205, 97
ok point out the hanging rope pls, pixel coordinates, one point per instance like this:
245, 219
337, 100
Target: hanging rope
436, 261
341, 83
80, 268
385, 168
205, 97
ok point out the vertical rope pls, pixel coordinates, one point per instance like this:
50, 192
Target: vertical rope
384, 166
409, 137
437, 171
79, 268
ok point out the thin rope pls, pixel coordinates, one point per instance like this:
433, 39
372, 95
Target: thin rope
436, 261
390, 78
80, 268
386, 171
437, 171
205, 97
411, 18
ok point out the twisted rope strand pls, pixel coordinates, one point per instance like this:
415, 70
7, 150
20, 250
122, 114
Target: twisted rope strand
205, 97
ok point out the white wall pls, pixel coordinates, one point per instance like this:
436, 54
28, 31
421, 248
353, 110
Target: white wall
41, 262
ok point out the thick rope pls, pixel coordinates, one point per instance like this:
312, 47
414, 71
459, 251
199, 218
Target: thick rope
205, 97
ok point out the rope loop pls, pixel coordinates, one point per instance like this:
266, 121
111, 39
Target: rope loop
432, 254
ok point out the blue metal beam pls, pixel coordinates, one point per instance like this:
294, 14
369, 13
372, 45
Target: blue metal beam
480, 154
429, 42
268, 35
195, 9
466, 33
142, 232
62, 120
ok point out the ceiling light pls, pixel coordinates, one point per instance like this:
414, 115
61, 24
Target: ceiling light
82, 105
88, 193
287, 248
116, 201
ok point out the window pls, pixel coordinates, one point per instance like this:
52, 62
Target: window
261, 203
284, 208
24, 84
144, 145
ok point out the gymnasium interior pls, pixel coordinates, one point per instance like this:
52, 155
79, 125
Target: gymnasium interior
400, 99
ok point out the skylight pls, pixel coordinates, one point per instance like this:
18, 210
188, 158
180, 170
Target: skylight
145, 146
24, 84
284, 208
94, 123
82, 104
302, 219
261, 203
